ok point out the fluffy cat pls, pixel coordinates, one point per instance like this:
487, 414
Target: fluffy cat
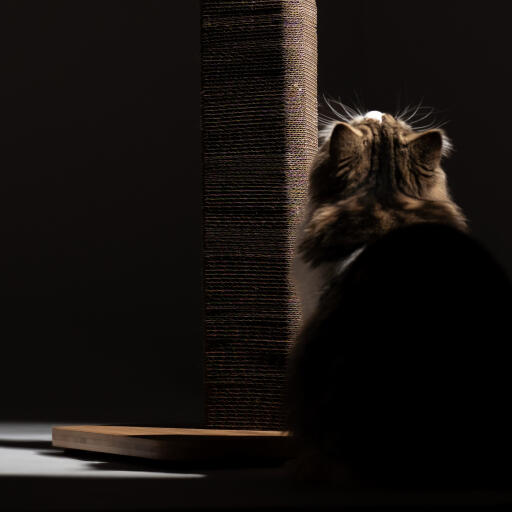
401, 370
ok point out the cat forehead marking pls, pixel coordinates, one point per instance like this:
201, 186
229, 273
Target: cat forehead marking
374, 114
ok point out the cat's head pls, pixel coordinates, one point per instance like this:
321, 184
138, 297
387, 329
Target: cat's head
381, 156
374, 173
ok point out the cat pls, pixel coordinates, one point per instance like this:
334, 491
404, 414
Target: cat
401, 371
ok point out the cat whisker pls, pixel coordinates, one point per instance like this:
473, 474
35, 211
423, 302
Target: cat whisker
350, 111
339, 115
425, 116
403, 113
433, 125
324, 117
425, 127
411, 116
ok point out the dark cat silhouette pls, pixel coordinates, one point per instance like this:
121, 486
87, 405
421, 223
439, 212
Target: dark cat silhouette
401, 372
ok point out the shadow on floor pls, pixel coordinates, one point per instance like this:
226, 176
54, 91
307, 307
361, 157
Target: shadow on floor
108, 462
25, 443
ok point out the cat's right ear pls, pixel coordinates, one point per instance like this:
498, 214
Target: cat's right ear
426, 148
344, 140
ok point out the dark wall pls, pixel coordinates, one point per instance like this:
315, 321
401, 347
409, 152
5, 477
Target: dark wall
100, 211
453, 56
100, 181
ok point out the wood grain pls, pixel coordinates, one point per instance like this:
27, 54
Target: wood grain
175, 444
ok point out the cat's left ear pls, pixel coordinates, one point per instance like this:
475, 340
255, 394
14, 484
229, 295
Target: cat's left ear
426, 148
345, 140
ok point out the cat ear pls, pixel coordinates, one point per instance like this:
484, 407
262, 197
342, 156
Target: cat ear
344, 140
426, 148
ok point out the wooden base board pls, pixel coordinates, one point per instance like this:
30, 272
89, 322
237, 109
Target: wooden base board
175, 444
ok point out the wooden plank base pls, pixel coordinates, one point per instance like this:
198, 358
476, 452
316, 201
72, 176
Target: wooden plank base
175, 444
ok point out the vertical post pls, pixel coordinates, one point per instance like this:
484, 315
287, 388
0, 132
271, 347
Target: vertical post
259, 131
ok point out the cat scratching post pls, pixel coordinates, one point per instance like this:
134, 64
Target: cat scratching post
259, 133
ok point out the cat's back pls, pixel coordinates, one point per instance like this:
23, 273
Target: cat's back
410, 354
430, 287
430, 269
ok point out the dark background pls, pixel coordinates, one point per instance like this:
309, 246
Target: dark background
100, 211
100, 184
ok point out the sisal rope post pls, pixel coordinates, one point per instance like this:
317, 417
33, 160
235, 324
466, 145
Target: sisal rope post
259, 135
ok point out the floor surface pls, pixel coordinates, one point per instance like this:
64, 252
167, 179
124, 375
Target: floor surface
36, 476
